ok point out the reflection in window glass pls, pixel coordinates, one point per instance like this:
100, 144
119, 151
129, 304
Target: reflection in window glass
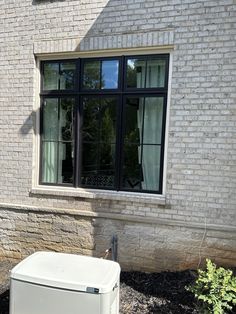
99, 141
110, 74
91, 77
101, 74
145, 74
67, 75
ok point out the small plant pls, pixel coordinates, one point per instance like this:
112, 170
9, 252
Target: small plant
215, 289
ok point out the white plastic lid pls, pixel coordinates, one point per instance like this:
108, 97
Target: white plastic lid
68, 271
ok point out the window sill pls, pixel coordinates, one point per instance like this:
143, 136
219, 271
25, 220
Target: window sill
99, 194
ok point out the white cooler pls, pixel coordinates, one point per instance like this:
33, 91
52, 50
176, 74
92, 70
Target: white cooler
58, 283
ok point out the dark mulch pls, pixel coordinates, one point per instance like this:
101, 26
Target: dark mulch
158, 293
4, 303
142, 293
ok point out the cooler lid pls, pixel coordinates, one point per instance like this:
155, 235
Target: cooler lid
68, 271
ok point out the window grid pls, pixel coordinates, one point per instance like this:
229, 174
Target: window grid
121, 93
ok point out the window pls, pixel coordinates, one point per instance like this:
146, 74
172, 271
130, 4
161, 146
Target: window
103, 122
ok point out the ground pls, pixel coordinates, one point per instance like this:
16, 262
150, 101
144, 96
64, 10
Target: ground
165, 292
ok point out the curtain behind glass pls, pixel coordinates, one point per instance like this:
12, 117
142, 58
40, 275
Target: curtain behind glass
50, 136
149, 117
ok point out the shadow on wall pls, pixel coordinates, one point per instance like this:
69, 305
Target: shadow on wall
116, 18
29, 124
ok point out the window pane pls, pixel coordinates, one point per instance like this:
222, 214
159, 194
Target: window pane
98, 167
101, 74
50, 119
151, 155
99, 119
59, 75
99, 141
65, 163
141, 168
136, 73
132, 174
145, 74
51, 76
155, 73
49, 162
91, 76
132, 134
66, 119
67, 75
143, 134
152, 120
143, 120
110, 74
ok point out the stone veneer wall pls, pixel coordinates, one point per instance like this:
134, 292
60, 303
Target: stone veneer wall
196, 217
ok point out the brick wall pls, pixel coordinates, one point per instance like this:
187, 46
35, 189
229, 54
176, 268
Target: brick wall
198, 216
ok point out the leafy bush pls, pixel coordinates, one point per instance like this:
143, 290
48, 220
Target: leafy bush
215, 289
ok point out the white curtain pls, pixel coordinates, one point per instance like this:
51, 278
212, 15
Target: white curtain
149, 118
50, 162
50, 136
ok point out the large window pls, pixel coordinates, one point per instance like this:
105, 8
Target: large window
103, 122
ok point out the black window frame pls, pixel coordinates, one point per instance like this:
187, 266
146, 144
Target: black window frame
122, 92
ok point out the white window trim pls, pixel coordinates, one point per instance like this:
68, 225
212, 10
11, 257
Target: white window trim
93, 193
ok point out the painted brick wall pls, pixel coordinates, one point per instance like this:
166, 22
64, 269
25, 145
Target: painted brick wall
201, 155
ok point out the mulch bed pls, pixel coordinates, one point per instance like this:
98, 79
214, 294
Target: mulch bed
142, 293
158, 293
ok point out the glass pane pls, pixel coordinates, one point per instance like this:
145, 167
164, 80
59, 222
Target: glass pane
49, 162
50, 119
155, 73
141, 168
110, 71
151, 156
143, 128
136, 73
132, 127
51, 76
67, 75
98, 165
99, 122
132, 174
143, 120
65, 163
66, 119
91, 76
152, 120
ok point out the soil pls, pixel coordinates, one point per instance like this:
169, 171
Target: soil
142, 293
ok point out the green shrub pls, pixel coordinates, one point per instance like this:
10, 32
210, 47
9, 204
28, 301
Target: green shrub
215, 289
